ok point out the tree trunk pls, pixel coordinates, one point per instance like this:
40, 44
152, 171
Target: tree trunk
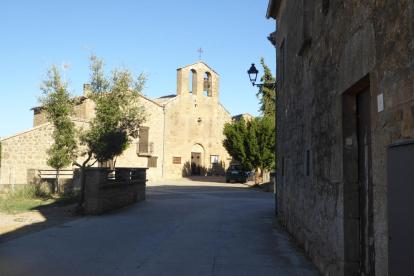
79, 209
256, 176
57, 185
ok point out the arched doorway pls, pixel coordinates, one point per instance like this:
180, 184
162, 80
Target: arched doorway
196, 159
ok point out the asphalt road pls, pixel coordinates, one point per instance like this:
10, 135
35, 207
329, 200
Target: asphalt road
198, 226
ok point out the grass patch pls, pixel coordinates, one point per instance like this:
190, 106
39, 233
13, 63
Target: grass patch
24, 199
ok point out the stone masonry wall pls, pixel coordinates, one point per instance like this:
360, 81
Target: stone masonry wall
102, 195
155, 122
356, 43
26, 150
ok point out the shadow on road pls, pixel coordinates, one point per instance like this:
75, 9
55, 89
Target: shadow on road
38, 218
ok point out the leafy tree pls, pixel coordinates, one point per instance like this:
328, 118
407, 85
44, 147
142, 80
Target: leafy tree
267, 93
252, 143
117, 116
57, 105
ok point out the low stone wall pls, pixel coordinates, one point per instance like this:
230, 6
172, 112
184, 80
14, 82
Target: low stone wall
103, 195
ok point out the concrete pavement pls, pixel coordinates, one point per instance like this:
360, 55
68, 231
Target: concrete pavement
200, 226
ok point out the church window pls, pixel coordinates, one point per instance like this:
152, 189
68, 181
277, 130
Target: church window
176, 160
207, 83
214, 159
152, 162
193, 82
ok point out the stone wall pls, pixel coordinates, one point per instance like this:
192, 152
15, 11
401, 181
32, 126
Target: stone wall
155, 122
103, 195
26, 150
357, 44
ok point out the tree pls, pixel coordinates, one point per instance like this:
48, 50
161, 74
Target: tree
252, 143
58, 105
267, 93
117, 116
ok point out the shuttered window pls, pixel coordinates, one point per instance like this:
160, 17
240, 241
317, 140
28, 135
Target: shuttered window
176, 160
152, 162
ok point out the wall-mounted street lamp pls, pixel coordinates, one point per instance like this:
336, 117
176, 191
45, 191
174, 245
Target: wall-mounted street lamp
253, 76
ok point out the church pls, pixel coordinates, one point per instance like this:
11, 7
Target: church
182, 135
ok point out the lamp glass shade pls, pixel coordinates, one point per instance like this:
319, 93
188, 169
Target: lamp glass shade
253, 73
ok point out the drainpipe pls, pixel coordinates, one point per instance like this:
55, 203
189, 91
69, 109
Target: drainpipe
276, 157
163, 146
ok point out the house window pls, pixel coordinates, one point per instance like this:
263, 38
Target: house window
144, 147
214, 159
152, 162
176, 160
282, 63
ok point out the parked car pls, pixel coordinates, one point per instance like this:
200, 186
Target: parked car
236, 172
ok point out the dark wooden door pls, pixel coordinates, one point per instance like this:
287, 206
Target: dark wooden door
366, 214
195, 163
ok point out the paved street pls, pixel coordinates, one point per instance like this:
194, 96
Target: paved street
198, 226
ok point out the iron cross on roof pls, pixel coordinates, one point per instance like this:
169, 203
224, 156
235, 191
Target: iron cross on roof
200, 51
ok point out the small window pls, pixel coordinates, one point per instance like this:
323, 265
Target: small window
282, 63
176, 160
214, 159
152, 162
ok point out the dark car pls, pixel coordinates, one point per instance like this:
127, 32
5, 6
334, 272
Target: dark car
236, 172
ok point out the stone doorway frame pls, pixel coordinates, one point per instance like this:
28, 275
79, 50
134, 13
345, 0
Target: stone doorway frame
351, 189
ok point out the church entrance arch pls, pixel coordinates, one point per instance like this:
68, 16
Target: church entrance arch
196, 159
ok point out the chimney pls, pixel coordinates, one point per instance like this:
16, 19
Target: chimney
86, 89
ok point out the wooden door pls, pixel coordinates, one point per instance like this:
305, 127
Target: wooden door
195, 163
366, 213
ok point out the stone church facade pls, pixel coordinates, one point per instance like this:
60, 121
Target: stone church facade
345, 97
182, 135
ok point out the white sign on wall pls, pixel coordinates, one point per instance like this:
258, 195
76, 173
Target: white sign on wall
380, 100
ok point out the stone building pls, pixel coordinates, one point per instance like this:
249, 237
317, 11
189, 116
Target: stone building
345, 79
182, 135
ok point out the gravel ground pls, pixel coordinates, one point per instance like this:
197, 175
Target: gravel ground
17, 225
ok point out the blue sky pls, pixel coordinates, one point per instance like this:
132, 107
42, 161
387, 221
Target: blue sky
153, 36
